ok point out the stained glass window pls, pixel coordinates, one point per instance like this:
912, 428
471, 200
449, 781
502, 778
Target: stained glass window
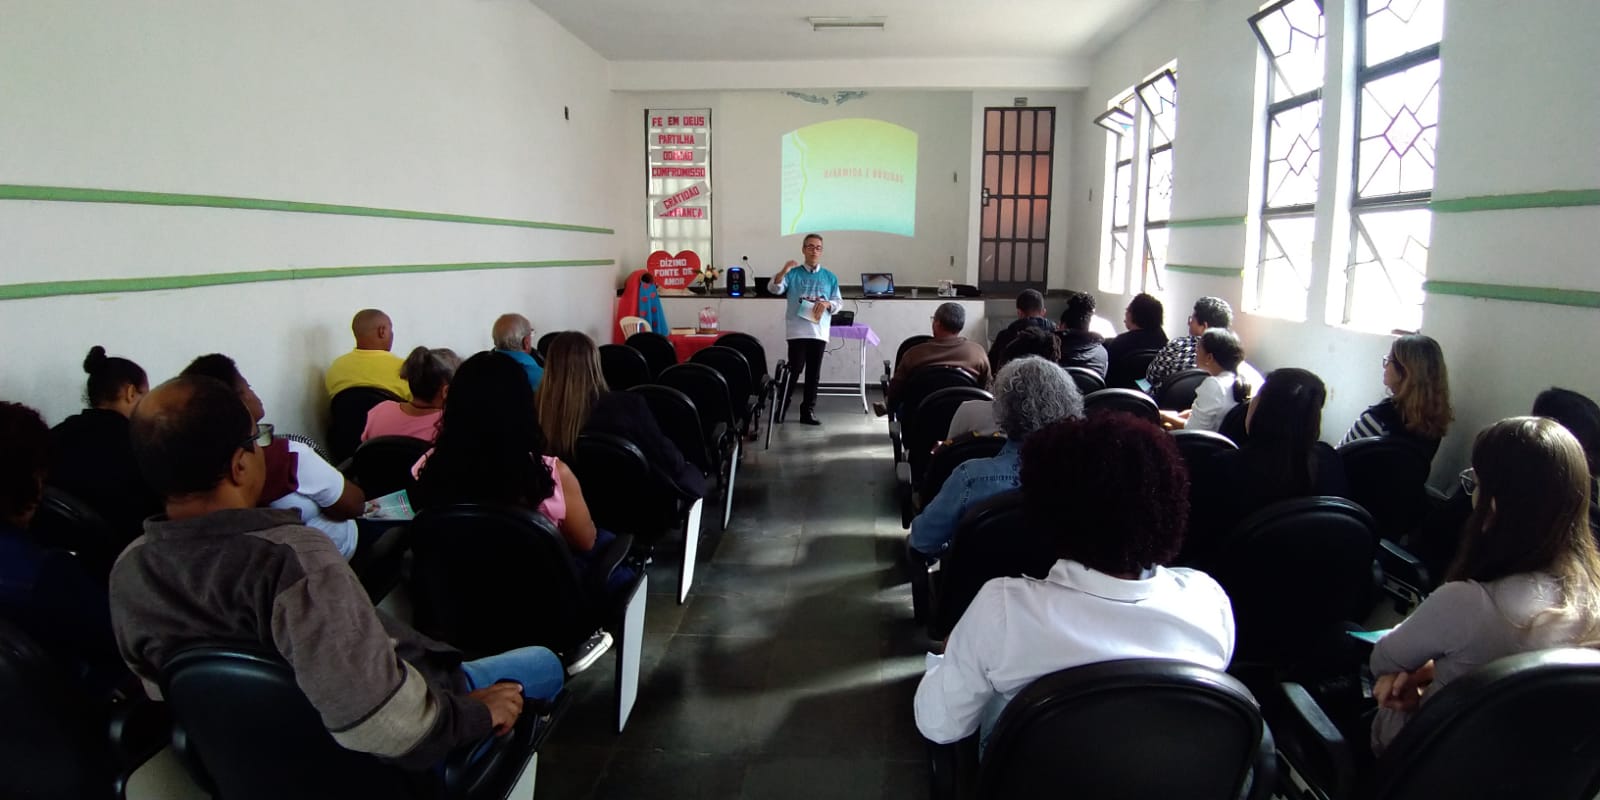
1292, 34
1397, 113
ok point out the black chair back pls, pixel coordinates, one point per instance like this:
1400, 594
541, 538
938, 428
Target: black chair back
1296, 571
1177, 391
992, 541
931, 421
735, 371
64, 522
750, 347
53, 744
488, 579
543, 347
908, 343
1139, 728
623, 367
1521, 726
1128, 401
657, 350
625, 495
349, 418
1233, 423
947, 457
925, 381
1197, 446
253, 735
1088, 380
1388, 477
382, 465
709, 391
1123, 372
678, 418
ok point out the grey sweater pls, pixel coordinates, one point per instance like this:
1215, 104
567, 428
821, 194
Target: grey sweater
1464, 625
258, 576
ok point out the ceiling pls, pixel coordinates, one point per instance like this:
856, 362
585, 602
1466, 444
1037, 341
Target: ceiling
771, 30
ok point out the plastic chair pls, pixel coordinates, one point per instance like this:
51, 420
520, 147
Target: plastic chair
735, 370
924, 428
349, 419
1122, 373
623, 367
718, 422
1520, 726
247, 732
1136, 728
543, 347
382, 465
679, 420
993, 540
1088, 380
67, 523
764, 385
633, 325
657, 349
949, 455
920, 384
1233, 423
1196, 446
488, 579
899, 353
1388, 477
1128, 401
1177, 392
627, 495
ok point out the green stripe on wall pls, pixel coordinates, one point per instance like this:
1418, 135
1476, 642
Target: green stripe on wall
19, 291
1563, 198
1526, 294
1207, 222
65, 194
1214, 272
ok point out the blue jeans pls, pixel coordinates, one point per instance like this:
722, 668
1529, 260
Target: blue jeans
536, 668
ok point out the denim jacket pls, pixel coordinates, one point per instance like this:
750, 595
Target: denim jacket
971, 482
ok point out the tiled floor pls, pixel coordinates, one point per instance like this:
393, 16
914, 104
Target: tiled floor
790, 671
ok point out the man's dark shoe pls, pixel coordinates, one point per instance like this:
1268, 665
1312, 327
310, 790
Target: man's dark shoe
808, 418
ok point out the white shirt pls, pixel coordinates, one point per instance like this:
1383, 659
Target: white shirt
1214, 398
1019, 629
320, 486
1102, 326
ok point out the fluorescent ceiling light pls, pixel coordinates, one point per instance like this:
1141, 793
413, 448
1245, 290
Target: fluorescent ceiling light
820, 24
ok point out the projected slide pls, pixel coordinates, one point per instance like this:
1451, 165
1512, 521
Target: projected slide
850, 175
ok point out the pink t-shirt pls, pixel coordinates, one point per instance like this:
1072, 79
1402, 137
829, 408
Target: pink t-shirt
386, 419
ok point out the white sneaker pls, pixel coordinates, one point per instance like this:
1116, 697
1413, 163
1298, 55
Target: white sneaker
584, 655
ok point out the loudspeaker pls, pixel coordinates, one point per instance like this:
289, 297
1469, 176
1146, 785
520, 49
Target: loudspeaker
735, 281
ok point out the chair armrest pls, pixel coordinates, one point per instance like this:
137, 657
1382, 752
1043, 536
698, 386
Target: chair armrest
496, 770
953, 769
1310, 744
902, 475
605, 563
138, 729
1404, 575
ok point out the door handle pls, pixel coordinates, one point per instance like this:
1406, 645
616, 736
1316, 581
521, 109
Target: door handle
985, 197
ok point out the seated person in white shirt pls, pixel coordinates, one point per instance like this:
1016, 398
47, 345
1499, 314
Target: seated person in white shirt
1113, 492
1232, 381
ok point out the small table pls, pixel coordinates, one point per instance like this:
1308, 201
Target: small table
862, 333
687, 344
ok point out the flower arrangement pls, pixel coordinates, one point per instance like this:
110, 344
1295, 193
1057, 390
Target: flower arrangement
709, 274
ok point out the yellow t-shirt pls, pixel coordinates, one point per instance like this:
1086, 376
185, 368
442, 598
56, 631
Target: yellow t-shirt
379, 368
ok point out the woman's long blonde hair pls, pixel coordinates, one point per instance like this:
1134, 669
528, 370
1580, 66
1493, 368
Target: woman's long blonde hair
1423, 398
572, 383
1531, 514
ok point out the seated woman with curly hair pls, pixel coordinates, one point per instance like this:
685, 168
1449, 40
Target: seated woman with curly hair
1111, 491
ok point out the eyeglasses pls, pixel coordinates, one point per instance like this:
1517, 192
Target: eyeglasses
1469, 480
261, 438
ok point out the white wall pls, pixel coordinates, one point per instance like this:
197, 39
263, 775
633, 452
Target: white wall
1501, 62
428, 105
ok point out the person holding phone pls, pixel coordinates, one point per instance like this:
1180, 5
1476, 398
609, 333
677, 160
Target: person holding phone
813, 294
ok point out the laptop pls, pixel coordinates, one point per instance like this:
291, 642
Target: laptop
877, 284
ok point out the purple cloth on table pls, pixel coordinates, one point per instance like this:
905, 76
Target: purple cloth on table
856, 331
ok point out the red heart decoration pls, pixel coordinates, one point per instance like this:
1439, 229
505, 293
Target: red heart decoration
673, 271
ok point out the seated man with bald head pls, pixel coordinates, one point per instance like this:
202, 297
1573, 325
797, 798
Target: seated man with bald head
371, 363
216, 567
513, 335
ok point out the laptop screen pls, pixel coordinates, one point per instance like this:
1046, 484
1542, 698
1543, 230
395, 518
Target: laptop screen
877, 284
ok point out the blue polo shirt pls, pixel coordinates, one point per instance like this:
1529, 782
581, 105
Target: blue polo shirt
535, 372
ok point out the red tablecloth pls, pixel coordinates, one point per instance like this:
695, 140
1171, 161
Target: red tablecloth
687, 344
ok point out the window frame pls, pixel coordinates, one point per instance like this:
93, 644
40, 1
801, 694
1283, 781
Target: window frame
1152, 272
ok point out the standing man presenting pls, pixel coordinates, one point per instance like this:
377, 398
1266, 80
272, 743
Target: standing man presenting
813, 298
